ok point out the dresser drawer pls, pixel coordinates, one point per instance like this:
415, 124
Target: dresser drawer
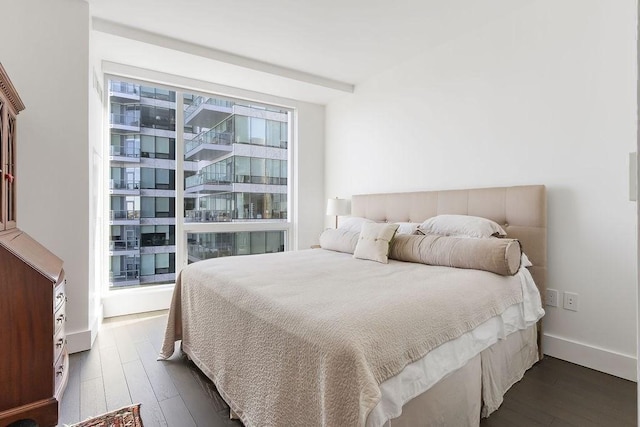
59, 318
59, 295
59, 342
60, 372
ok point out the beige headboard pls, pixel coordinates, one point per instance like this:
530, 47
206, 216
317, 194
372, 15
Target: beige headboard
522, 211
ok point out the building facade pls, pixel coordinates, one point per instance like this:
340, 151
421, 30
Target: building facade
235, 169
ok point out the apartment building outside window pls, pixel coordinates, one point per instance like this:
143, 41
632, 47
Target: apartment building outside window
209, 182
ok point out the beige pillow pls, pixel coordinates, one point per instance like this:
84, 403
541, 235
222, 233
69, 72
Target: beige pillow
374, 241
339, 240
461, 226
500, 256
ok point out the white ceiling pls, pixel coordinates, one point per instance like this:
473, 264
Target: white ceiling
346, 41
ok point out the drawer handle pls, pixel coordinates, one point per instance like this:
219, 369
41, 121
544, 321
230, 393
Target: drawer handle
60, 319
60, 342
60, 371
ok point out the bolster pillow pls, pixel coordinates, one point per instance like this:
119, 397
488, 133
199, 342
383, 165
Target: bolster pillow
500, 256
339, 240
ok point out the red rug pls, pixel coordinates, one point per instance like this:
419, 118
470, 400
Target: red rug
128, 416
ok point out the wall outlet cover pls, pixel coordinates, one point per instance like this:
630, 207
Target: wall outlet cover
570, 301
551, 298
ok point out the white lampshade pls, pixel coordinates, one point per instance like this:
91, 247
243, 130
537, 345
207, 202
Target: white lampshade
337, 207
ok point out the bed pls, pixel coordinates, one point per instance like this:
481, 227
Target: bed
316, 337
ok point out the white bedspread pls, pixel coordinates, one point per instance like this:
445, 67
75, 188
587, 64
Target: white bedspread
307, 337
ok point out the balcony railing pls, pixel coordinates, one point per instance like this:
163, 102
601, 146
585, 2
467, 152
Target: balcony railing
124, 245
123, 214
208, 216
122, 87
199, 100
211, 136
124, 276
201, 252
122, 184
126, 119
207, 178
125, 151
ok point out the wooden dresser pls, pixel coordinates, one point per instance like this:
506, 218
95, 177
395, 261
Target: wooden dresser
34, 361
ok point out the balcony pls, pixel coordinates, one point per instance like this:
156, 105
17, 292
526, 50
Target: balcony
208, 145
124, 187
124, 217
201, 215
197, 252
124, 92
208, 182
207, 112
159, 278
124, 278
123, 153
126, 122
120, 247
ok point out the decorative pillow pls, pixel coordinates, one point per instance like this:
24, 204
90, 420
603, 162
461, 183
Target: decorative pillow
339, 240
461, 226
500, 256
374, 242
354, 223
407, 227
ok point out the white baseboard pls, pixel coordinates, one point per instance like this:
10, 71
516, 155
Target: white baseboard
83, 340
78, 341
607, 361
131, 301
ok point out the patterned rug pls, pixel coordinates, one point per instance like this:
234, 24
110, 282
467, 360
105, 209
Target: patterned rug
128, 416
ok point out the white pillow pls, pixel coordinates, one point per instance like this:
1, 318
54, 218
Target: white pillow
407, 227
339, 240
353, 223
461, 226
374, 241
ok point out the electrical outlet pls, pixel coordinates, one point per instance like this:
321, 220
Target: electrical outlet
551, 298
570, 301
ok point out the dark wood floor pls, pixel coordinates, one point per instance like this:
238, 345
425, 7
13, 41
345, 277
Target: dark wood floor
122, 368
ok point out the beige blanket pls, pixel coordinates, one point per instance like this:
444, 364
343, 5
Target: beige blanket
305, 338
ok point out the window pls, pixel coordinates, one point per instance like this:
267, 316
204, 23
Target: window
223, 177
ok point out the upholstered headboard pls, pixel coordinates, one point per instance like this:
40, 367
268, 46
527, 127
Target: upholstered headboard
522, 212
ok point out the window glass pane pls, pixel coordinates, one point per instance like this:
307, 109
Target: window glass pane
148, 207
283, 135
162, 261
147, 178
258, 131
257, 170
147, 144
258, 242
147, 266
162, 204
203, 246
243, 169
162, 145
273, 133
242, 129
162, 177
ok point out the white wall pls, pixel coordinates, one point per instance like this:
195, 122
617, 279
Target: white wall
45, 50
545, 95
